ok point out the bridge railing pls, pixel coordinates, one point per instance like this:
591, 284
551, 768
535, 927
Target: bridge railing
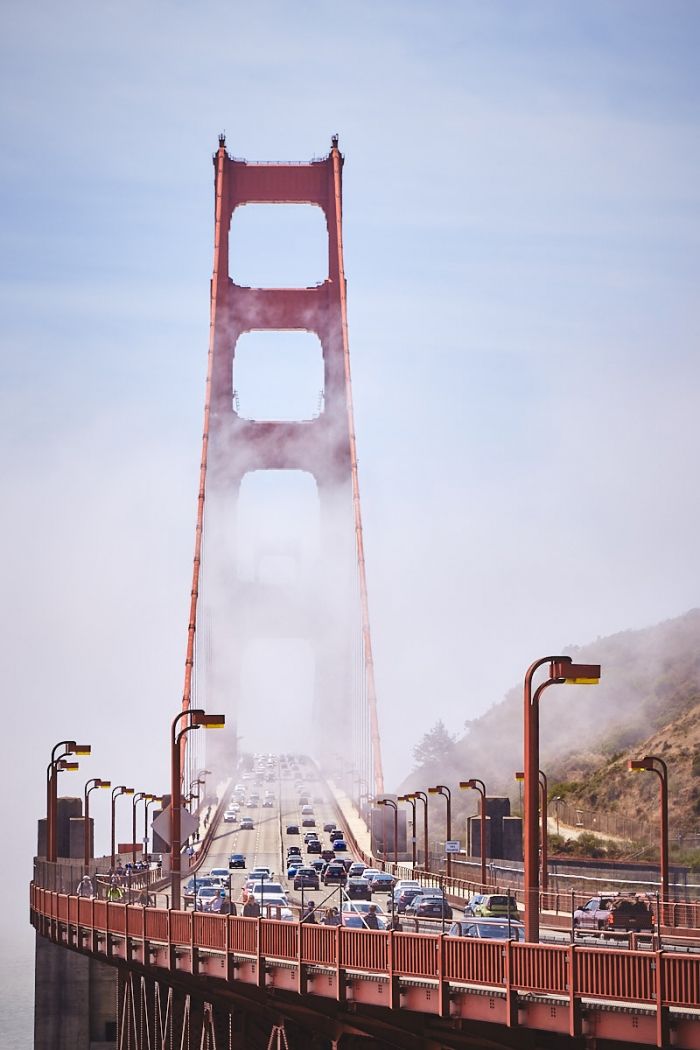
571, 971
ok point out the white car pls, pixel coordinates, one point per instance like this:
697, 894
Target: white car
369, 873
258, 875
406, 884
220, 876
206, 897
264, 890
361, 908
276, 906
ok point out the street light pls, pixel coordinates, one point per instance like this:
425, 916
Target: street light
138, 797
561, 669
90, 785
648, 764
70, 748
116, 792
198, 719
478, 785
412, 801
544, 819
424, 799
149, 799
441, 789
390, 802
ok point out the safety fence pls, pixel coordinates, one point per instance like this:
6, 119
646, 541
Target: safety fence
572, 971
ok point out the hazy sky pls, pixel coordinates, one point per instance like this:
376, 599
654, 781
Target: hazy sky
522, 251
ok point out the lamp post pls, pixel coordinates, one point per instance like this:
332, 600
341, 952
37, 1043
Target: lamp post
557, 802
478, 785
116, 792
137, 798
55, 766
654, 764
149, 799
411, 800
544, 823
390, 802
198, 719
561, 669
90, 785
441, 789
69, 748
424, 799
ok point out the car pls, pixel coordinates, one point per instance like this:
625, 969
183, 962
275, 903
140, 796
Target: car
424, 907
310, 835
402, 898
339, 845
488, 929
293, 851
276, 906
267, 888
314, 846
308, 822
474, 900
292, 829
268, 803
236, 860
401, 884
334, 873
219, 875
307, 810
369, 873
497, 905
330, 826
318, 864
345, 861
206, 895
328, 854
382, 882
615, 911
293, 865
229, 817
304, 801
358, 889
356, 869
247, 824
306, 877
194, 884
257, 875
351, 911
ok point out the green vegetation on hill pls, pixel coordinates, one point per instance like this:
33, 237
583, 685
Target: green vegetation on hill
648, 702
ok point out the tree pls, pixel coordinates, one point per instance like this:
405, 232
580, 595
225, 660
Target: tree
436, 746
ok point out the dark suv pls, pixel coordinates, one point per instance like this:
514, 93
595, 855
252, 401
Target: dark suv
615, 911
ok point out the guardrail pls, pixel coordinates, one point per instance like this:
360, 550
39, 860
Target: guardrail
573, 972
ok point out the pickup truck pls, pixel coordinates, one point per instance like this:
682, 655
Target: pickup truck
615, 911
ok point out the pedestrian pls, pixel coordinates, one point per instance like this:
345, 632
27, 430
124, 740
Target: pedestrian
309, 915
371, 918
251, 908
218, 902
395, 923
332, 917
85, 887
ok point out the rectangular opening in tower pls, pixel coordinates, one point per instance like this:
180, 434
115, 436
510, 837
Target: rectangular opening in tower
278, 376
276, 695
278, 246
277, 536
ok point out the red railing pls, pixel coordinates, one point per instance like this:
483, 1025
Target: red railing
415, 955
602, 973
537, 966
319, 944
363, 950
568, 970
279, 940
474, 962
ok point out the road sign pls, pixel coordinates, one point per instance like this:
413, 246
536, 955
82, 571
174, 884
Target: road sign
188, 825
452, 846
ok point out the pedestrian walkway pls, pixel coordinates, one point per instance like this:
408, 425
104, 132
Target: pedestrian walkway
352, 818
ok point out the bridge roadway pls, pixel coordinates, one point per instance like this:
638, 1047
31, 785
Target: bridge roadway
218, 977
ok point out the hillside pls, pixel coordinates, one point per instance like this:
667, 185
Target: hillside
648, 701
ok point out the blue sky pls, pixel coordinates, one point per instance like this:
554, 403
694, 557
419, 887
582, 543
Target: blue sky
522, 251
